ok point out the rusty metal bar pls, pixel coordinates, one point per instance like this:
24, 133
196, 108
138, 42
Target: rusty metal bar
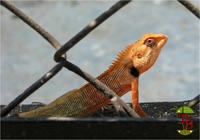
31, 23
103, 88
191, 7
31, 89
44, 78
87, 29
194, 101
118, 103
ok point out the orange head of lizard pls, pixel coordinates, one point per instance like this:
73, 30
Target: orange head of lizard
146, 50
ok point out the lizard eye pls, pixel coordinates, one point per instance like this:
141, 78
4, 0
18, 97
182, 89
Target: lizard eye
150, 42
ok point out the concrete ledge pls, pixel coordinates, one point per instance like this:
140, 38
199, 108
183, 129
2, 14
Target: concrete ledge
105, 123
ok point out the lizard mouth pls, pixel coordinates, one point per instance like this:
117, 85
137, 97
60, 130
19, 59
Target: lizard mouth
162, 41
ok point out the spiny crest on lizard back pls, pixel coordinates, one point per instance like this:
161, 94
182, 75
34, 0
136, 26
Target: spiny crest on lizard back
116, 62
121, 55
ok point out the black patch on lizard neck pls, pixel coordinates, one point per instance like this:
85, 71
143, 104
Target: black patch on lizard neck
134, 71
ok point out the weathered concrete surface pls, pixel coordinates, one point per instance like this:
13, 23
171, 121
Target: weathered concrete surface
105, 123
154, 109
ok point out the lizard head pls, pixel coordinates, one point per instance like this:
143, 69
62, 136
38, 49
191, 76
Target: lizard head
146, 50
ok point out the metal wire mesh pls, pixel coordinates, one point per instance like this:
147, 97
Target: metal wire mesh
59, 56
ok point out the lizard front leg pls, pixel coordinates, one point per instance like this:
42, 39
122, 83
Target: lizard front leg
135, 98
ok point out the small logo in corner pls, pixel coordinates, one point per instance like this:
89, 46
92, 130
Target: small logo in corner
186, 123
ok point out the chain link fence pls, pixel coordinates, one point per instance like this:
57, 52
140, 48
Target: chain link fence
61, 57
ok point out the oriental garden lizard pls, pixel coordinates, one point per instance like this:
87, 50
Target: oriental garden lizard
122, 76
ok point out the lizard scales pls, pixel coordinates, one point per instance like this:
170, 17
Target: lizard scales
120, 77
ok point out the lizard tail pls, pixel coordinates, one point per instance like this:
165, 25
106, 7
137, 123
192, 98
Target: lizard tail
74, 103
